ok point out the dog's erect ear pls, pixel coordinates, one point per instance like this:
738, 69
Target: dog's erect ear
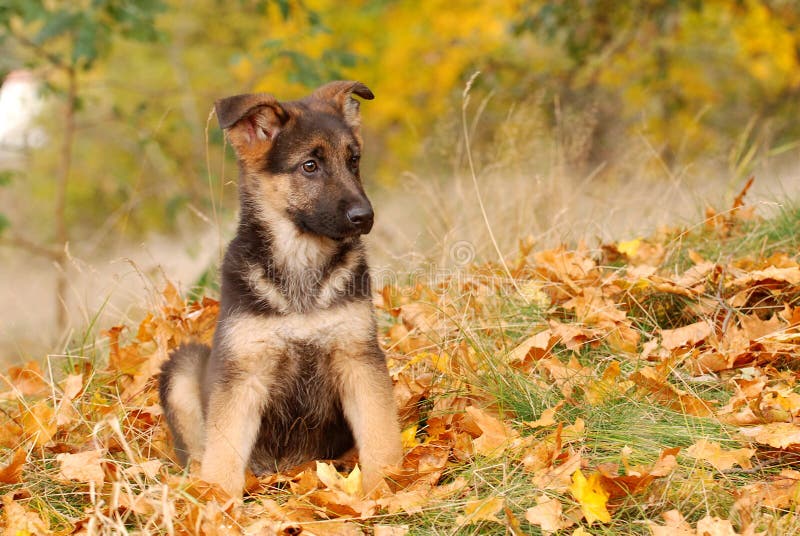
340, 94
250, 121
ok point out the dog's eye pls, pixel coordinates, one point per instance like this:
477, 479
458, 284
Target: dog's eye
310, 166
354, 161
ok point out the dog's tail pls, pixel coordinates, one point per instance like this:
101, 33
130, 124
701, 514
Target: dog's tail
180, 392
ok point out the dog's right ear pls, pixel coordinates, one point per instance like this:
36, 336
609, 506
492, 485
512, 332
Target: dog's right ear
251, 122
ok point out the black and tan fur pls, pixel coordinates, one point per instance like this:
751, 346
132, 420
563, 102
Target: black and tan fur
295, 372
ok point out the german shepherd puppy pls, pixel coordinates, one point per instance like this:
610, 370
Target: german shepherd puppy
295, 372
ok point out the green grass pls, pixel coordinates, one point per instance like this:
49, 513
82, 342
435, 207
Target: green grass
777, 232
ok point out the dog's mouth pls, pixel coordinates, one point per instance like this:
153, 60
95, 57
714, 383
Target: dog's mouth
338, 234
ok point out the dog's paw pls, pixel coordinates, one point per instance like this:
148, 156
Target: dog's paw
231, 482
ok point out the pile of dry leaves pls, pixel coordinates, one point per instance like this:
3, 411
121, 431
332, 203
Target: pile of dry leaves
86, 450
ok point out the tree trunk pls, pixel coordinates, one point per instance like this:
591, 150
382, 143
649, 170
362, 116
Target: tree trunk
61, 232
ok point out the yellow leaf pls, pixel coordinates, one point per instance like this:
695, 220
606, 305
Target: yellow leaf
481, 510
591, 496
629, 247
329, 476
409, 437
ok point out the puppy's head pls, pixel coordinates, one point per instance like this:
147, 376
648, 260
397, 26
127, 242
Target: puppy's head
300, 160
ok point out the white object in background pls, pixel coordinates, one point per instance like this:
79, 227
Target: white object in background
20, 104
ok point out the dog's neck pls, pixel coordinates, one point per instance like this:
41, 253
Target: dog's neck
290, 270
280, 242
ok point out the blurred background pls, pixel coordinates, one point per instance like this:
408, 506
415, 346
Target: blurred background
585, 119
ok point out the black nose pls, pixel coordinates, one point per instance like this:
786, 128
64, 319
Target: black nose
361, 216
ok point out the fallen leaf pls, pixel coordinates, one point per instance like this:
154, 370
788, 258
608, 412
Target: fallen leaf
495, 434
481, 510
629, 247
666, 463
720, 459
82, 467
685, 336
547, 418
409, 437
39, 422
534, 294
567, 377
148, 468
141, 503
330, 528
558, 477
72, 385
388, 530
591, 496
755, 328
533, 348
593, 308
779, 493
11, 472
410, 502
20, 521
445, 491
26, 380
609, 386
780, 435
714, 526
422, 463
676, 525
351, 484
652, 380
548, 514
789, 275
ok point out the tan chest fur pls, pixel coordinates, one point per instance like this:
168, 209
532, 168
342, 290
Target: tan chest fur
255, 339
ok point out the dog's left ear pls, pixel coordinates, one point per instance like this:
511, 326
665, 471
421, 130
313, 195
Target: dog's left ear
340, 94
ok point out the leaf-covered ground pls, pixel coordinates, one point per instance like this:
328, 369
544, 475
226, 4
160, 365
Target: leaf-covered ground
649, 386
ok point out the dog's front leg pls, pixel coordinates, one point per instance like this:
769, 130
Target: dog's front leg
369, 407
232, 425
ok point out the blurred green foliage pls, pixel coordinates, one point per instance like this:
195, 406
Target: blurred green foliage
85, 29
712, 80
